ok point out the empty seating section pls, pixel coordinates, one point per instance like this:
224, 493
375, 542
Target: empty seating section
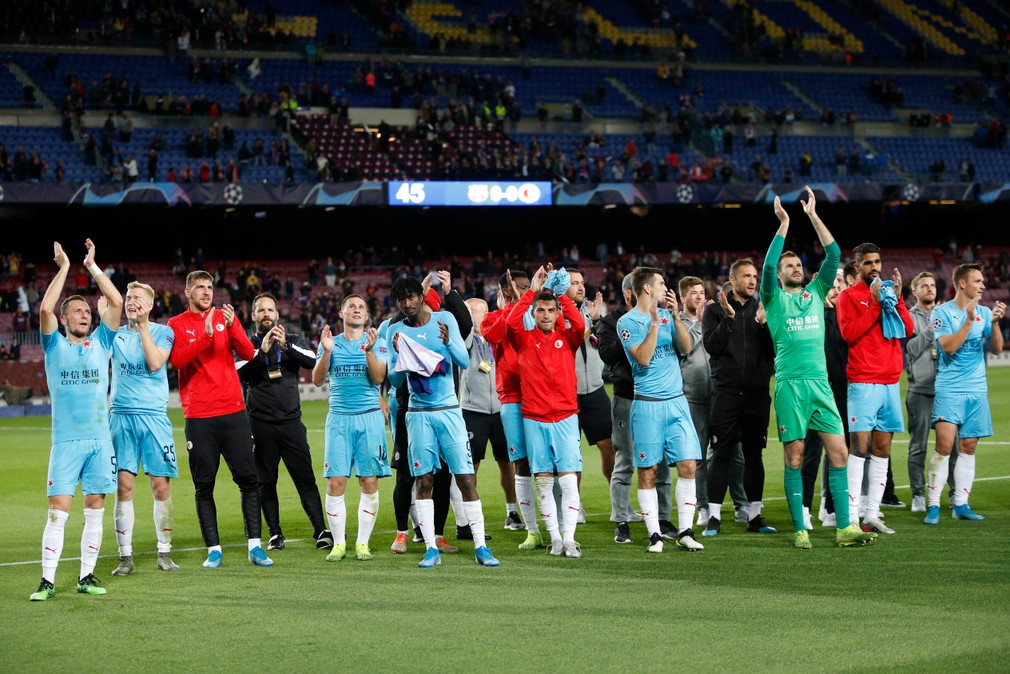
314, 20
11, 91
916, 156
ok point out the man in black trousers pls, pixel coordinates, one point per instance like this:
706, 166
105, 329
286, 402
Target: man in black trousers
270, 381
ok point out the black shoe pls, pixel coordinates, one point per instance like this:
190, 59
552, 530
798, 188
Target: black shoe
622, 534
418, 536
324, 541
667, 530
276, 542
891, 501
655, 543
758, 525
713, 527
464, 533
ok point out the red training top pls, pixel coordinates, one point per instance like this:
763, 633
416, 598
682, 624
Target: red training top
506, 361
547, 361
208, 380
872, 358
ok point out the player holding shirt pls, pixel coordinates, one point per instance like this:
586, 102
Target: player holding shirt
141, 431
874, 368
77, 371
963, 328
803, 399
435, 428
546, 359
509, 389
355, 364
661, 425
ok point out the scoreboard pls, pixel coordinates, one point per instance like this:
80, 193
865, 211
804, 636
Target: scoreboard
442, 193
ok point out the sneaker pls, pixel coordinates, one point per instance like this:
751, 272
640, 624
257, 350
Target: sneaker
667, 530
338, 552
259, 558
685, 541
852, 535
713, 527
807, 523
90, 585
445, 548
324, 541
758, 525
45, 591
802, 540
165, 562
213, 560
431, 559
918, 504
702, 518
741, 515
464, 533
276, 542
572, 549
514, 523
932, 515
418, 537
829, 520
581, 519
484, 557
533, 541
655, 543
622, 533
877, 526
964, 512
125, 567
557, 548
362, 553
891, 501
399, 545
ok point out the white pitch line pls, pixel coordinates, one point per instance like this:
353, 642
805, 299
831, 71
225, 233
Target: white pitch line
385, 533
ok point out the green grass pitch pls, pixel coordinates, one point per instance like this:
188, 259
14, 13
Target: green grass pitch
925, 599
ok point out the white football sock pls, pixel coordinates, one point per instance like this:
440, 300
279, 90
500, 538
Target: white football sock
52, 542
412, 513
648, 502
715, 511
475, 516
163, 516
875, 490
854, 475
548, 509
426, 520
509, 509
456, 501
368, 510
687, 504
527, 507
336, 515
254, 543
124, 527
964, 478
571, 504
91, 539
754, 509
936, 477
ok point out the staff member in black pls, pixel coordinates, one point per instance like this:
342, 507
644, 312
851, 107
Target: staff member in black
742, 360
270, 381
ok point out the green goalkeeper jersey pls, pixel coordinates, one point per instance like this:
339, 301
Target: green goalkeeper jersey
796, 320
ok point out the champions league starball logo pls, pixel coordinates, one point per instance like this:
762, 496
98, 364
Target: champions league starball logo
685, 194
625, 335
1, 193
233, 194
911, 192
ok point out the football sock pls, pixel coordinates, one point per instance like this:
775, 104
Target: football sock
52, 542
124, 527
548, 508
936, 477
527, 507
793, 482
875, 489
475, 516
426, 520
570, 504
687, 504
456, 500
838, 485
715, 510
91, 539
964, 477
368, 510
336, 515
648, 502
855, 480
163, 516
